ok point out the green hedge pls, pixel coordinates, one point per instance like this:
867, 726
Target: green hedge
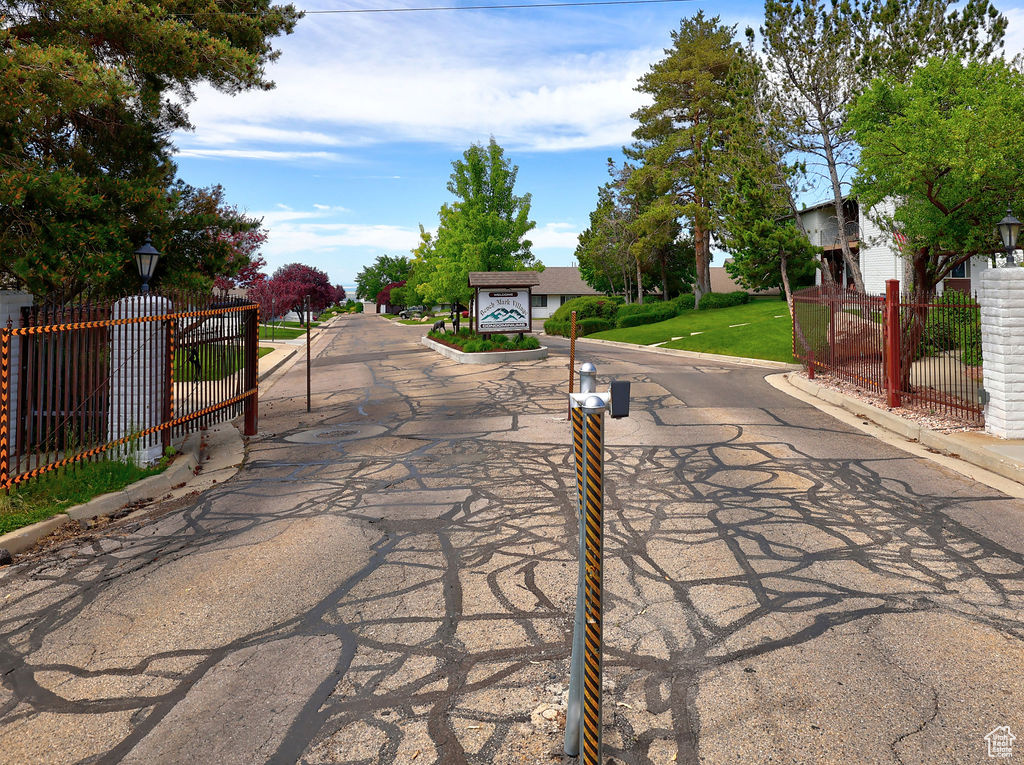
723, 300
556, 327
587, 307
592, 325
596, 314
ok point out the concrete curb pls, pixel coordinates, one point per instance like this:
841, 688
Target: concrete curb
219, 458
490, 357
946, 443
741, 360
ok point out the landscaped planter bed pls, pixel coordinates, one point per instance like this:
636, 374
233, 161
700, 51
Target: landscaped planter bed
484, 357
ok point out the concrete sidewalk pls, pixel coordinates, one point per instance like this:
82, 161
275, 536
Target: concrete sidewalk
1003, 457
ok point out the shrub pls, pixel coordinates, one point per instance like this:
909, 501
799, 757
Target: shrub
631, 308
529, 343
469, 342
723, 300
587, 307
651, 313
953, 322
593, 324
684, 302
556, 327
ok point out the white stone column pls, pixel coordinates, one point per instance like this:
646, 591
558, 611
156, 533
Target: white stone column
1001, 296
11, 304
138, 385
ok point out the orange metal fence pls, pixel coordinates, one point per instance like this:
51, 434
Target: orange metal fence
926, 355
124, 377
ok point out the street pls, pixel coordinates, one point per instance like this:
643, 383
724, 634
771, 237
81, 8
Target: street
391, 578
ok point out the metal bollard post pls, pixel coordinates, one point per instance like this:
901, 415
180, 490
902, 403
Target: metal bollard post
574, 710
588, 378
593, 426
583, 715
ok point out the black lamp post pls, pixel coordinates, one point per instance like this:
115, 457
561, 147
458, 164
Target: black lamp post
145, 260
1009, 227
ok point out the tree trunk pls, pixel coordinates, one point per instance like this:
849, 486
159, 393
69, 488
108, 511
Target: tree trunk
914, 318
664, 276
702, 252
837, 197
627, 287
639, 283
784, 260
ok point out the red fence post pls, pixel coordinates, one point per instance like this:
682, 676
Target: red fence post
252, 341
892, 341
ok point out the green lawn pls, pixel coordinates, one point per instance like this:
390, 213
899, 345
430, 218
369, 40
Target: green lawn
54, 492
279, 333
299, 324
766, 333
215, 363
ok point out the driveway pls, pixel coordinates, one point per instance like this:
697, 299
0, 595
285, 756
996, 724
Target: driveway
390, 578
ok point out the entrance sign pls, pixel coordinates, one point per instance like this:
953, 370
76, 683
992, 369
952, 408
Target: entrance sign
505, 311
502, 300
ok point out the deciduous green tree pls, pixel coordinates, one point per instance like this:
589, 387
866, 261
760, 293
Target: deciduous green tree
484, 229
384, 270
945, 147
820, 54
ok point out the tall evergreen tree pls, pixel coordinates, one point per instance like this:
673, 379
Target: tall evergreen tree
90, 93
683, 134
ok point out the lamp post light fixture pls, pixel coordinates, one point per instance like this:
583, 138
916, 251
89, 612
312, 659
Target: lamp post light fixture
1009, 227
145, 260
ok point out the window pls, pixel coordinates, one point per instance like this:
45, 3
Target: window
539, 301
567, 298
959, 271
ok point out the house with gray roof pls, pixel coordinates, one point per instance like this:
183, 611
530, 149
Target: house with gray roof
558, 284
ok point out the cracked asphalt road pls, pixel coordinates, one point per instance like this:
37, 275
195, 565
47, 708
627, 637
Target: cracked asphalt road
389, 579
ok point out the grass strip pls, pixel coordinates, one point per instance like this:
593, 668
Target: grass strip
54, 492
280, 333
766, 332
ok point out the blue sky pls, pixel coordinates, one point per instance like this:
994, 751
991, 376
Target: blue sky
354, 146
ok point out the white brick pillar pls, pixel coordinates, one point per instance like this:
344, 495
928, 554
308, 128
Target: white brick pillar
1001, 296
138, 358
11, 304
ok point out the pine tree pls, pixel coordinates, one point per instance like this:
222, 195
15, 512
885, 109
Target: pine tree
683, 136
90, 93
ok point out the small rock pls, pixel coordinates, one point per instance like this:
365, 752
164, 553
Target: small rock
5, 557
549, 714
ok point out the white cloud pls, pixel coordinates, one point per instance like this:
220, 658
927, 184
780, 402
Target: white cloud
1014, 42
561, 235
446, 78
264, 154
224, 133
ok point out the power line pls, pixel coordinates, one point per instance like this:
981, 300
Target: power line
501, 6
497, 7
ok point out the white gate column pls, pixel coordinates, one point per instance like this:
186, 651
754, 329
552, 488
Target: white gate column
1001, 296
138, 385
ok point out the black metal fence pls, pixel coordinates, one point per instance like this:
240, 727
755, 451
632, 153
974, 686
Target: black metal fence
78, 382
